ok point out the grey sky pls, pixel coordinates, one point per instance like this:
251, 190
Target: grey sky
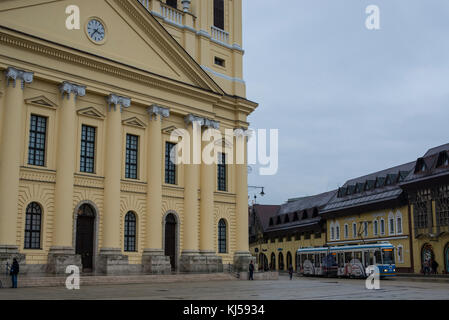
347, 101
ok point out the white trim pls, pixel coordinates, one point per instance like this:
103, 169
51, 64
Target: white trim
221, 75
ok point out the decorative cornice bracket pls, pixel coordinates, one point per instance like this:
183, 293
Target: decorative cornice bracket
154, 111
68, 88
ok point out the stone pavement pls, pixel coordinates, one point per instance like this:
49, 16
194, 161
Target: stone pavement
282, 289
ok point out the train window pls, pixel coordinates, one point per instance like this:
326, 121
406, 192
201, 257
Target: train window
377, 257
341, 260
371, 258
348, 257
388, 256
358, 256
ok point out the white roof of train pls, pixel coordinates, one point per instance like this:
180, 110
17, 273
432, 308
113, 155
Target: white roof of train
338, 248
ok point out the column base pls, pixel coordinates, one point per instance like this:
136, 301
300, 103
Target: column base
196, 262
111, 261
7, 254
59, 258
242, 261
155, 262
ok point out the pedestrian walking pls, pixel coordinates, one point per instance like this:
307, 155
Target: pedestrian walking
290, 271
434, 267
426, 267
251, 271
14, 271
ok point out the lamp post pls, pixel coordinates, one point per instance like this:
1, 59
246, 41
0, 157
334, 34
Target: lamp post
262, 193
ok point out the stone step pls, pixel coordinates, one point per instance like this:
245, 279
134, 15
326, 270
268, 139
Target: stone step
57, 281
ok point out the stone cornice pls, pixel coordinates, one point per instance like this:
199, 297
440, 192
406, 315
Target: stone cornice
14, 74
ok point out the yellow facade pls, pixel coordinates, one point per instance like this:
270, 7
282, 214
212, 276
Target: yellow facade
149, 61
286, 246
395, 230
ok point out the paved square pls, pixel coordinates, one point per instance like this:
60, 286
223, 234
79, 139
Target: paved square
283, 289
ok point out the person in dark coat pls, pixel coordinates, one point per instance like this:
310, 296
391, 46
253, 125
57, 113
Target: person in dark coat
251, 270
290, 271
14, 271
434, 267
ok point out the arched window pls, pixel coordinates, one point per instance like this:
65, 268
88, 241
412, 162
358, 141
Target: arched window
346, 231
281, 261
337, 231
382, 226
172, 3
222, 236
391, 223
289, 260
399, 222
130, 232
273, 261
400, 252
332, 231
33, 226
354, 230
376, 228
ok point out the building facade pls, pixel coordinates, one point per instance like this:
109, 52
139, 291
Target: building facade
293, 225
406, 205
86, 117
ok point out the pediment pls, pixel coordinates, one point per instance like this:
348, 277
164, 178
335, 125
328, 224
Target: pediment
134, 38
41, 101
91, 112
134, 122
169, 130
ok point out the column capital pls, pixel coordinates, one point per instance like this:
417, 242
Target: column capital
116, 100
14, 74
202, 121
155, 110
243, 132
68, 88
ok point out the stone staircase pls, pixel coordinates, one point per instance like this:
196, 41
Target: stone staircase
92, 280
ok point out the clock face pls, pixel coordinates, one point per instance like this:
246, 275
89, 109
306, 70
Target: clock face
95, 30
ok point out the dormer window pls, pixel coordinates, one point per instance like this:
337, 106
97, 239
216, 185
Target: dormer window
286, 219
295, 216
271, 221
172, 3
341, 192
443, 159
420, 166
380, 182
278, 221
304, 214
219, 14
315, 212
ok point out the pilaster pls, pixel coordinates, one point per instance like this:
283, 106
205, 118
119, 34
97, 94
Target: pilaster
10, 150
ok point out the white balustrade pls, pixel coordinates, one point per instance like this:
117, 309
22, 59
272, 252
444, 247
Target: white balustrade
171, 14
146, 4
220, 35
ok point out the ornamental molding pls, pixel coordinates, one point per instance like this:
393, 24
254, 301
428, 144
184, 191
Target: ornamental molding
208, 123
68, 88
134, 122
41, 101
115, 100
13, 74
169, 129
149, 78
154, 111
91, 112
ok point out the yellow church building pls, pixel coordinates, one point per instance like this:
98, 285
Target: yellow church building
86, 114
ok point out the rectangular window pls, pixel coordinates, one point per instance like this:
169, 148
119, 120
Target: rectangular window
354, 230
382, 226
376, 227
36, 145
132, 152
220, 62
170, 167
87, 161
219, 14
222, 172
365, 226
346, 231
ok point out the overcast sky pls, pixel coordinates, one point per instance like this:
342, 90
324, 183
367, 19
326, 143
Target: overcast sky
347, 101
